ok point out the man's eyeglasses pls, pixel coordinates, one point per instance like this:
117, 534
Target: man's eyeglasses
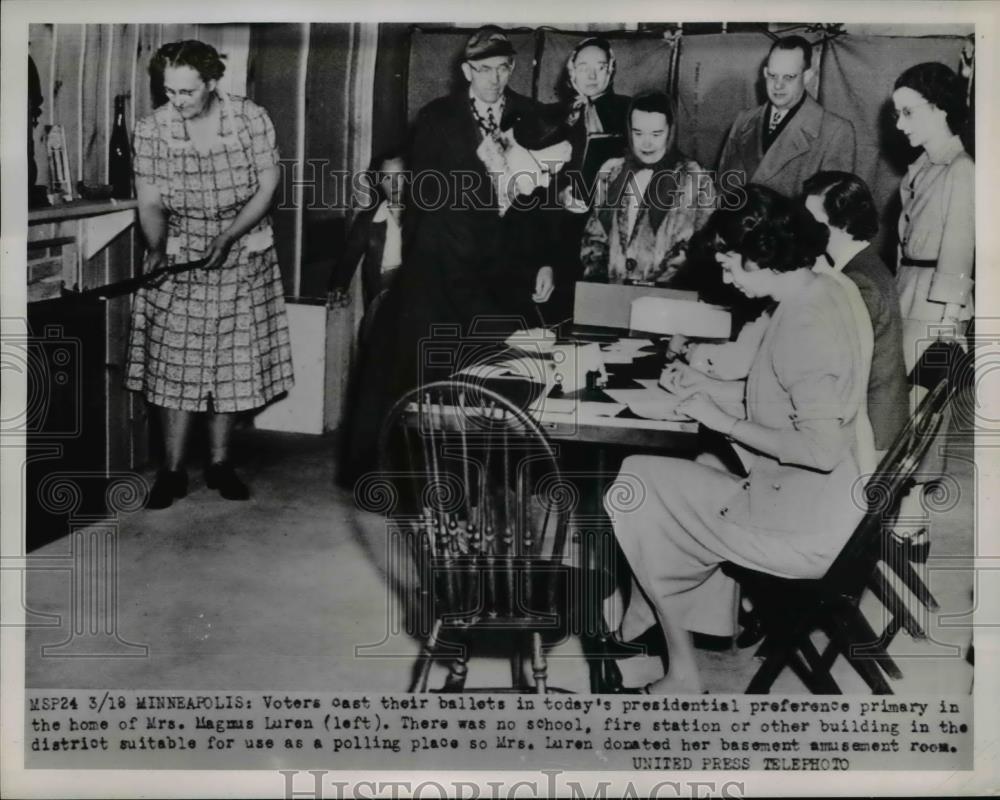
907, 112
500, 71
771, 76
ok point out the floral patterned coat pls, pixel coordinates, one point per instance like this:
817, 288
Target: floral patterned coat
677, 202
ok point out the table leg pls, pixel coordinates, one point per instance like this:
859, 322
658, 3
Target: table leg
605, 677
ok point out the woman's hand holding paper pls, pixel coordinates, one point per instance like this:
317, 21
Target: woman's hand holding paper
702, 408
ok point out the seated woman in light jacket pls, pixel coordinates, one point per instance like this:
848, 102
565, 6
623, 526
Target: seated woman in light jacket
724, 233
799, 419
648, 204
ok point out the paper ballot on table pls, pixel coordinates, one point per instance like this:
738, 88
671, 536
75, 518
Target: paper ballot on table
650, 402
533, 340
624, 351
668, 315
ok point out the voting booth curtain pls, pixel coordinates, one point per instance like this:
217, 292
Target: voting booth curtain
713, 77
642, 62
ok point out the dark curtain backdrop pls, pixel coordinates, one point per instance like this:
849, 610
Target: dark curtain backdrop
719, 75
714, 75
327, 126
272, 81
389, 121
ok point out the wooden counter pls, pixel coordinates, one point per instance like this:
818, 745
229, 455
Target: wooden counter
89, 427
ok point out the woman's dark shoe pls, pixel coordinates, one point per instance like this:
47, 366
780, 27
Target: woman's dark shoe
650, 642
168, 486
221, 476
711, 642
636, 689
753, 628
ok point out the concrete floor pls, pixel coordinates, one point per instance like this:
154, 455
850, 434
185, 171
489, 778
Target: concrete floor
288, 592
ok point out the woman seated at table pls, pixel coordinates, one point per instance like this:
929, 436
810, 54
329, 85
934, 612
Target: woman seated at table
805, 436
724, 233
653, 200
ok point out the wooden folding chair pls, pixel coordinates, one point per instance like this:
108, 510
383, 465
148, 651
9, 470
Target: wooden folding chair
792, 610
941, 362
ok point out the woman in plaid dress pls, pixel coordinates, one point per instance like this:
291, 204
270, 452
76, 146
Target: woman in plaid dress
214, 339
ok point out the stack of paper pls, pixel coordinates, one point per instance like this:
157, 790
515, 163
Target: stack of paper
624, 351
667, 315
533, 340
649, 402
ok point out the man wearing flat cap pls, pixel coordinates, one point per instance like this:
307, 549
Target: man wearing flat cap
479, 255
449, 131
457, 151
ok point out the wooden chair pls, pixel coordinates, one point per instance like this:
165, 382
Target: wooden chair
942, 361
480, 500
792, 610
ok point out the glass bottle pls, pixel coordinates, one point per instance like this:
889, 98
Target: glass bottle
120, 154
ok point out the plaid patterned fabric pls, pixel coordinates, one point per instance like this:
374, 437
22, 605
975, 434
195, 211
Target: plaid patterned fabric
220, 333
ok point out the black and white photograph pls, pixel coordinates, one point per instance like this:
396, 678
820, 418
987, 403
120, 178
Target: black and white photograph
412, 390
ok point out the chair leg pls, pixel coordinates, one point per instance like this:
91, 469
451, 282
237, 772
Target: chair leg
897, 559
457, 673
776, 660
517, 665
815, 682
899, 614
911, 579
426, 659
819, 670
539, 665
605, 676
846, 633
867, 644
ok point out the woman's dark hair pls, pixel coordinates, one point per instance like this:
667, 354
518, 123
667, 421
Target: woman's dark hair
727, 227
787, 240
369, 194
769, 229
199, 56
656, 103
726, 231
847, 201
380, 158
940, 87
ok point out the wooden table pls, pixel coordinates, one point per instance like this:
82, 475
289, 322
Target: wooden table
602, 434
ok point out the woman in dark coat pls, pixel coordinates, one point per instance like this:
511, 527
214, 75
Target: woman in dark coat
471, 276
591, 109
